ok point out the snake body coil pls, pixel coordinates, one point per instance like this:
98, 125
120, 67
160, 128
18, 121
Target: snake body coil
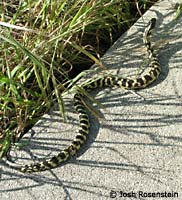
105, 81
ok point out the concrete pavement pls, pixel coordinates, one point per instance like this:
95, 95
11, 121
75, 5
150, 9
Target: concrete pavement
135, 150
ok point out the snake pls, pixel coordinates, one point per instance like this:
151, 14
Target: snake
140, 82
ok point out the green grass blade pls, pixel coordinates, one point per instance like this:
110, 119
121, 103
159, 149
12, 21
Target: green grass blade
35, 60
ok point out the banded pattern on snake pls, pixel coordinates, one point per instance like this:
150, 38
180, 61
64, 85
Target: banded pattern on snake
105, 81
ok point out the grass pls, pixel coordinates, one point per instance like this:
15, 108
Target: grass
44, 46
178, 10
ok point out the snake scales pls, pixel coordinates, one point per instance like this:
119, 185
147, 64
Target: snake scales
105, 81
